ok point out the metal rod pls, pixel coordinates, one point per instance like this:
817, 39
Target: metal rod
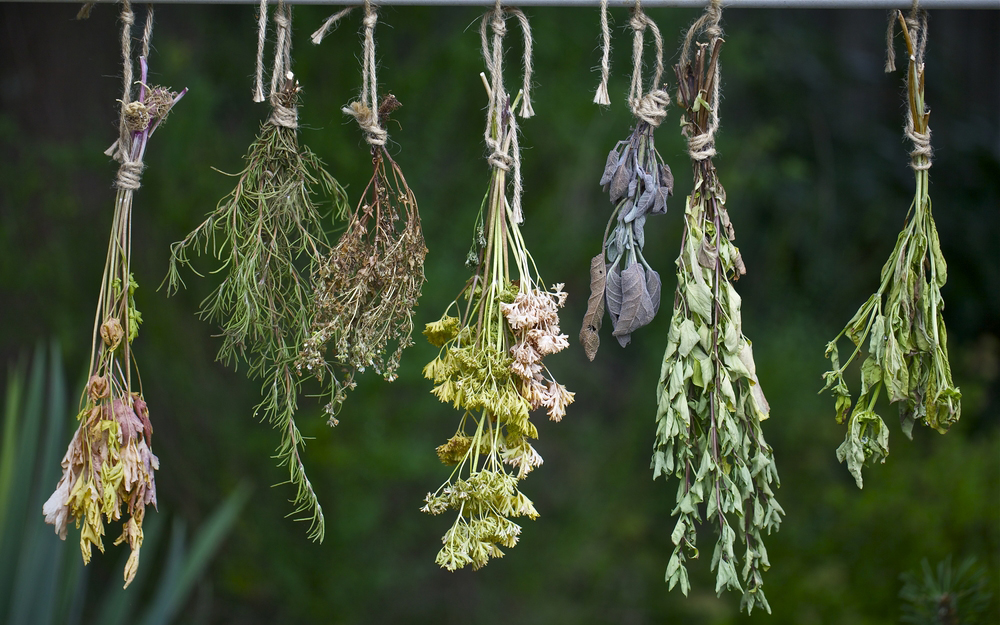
729, 4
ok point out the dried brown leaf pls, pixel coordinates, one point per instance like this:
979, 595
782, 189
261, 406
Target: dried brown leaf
637, 308
590, 332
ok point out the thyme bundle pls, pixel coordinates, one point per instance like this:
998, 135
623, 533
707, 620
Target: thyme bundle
110, 462
490, 361
902, 320
368, 284
638, 183
710, 404
268, 233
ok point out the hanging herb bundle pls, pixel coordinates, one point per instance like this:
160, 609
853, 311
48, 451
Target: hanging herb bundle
368, 284
710, 404
903, 320
639, 183
493, 339
268, 233
110, 462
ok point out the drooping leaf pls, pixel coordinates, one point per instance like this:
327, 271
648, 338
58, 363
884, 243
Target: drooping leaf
613, 292
590, 332
637, 309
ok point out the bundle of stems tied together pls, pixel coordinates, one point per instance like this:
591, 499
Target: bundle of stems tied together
492, 341
903, 320
110, 463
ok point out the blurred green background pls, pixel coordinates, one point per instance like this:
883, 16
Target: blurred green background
812, 157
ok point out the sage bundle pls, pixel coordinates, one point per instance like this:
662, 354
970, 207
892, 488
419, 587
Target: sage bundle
268, 234
903, 320
710, 405
368, 284
110, 463
638, 183
492, 341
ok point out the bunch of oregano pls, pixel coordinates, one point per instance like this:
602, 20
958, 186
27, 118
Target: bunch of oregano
110, 462
710, 405
902, 320
368, 284
492, 341
268, 233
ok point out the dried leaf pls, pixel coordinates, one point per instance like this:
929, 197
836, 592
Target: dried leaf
619, 182
666, 178
653, 288
613, 292
590, 332
610, 167
637, 309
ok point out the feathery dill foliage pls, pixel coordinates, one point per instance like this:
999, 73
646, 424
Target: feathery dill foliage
638, 183
902, 320
490, 367
268, 233
110, 461
710, 404
370, 281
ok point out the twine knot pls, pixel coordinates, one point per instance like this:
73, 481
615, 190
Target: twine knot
282, 21
652, 107
284, 116
501, 160
370, 19
368, 121
702, 145
920, 156
129, 175
128, 17
499, 24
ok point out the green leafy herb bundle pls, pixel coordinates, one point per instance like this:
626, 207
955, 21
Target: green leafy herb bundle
369, 283
110, 462
492, 341
268, 233
710, 405
638, 183
903, 320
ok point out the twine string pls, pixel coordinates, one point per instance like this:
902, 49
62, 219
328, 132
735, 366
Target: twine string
284, 112
258, 85
129, 175
505, 149
650, 107
601, 97
363, 111
701, 145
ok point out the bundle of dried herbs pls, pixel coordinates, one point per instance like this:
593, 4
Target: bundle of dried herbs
110, 462
368, 284
268, 233
492, 341
902, 320
638, 183
710, 405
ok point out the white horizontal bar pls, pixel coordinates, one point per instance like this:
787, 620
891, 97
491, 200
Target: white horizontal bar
729, 4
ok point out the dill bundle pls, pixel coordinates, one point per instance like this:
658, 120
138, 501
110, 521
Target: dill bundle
903, 320
710, 404
369, 283
268, 233
490, 361
110, 462
638, 183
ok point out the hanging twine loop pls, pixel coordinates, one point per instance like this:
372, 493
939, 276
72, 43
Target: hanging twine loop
134, 117
701, 145
501, 124
916, 33
601, 97
284, 111
258, 85
363, 111
650, 107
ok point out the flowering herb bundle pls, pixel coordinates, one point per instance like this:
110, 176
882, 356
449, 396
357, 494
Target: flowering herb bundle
110, 462
492, 341
710, 405
638, 183
268, 233
903, 320
368, 284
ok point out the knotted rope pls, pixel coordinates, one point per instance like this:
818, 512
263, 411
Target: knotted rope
505, 151
701, 145
363, 111
916, 26
134, 117
283, 110
601, 97
650, 107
